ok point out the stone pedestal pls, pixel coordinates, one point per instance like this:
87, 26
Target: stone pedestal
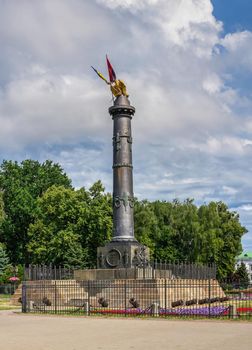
122, 255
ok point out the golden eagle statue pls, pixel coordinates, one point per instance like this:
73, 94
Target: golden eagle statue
117, 86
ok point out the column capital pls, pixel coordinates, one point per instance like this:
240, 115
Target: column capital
118, 111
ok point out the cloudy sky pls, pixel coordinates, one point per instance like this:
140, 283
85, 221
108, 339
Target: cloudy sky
188, 69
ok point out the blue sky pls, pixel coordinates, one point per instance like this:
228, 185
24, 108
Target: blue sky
187, 65
235, 14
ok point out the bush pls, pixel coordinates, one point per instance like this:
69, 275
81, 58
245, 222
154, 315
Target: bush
191, 302
11, 272
177, 303
204, 301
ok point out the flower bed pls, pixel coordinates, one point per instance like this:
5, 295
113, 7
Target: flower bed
244, 310
118, 311
197, 311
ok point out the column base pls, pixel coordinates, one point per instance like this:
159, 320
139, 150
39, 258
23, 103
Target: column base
122, 254
124, 239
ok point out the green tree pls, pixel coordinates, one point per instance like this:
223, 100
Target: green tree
54, 235
177, 232
211, 241
181, 231
221, 237
97, 228
21, 184
241, 276
146, 224
165, 234
43, 220
2, 213
69, 226
185, 228
4, 260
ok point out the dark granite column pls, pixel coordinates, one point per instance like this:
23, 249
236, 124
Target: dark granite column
123, 250
123, 198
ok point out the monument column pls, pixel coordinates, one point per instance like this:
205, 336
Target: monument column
123, 197
123, 250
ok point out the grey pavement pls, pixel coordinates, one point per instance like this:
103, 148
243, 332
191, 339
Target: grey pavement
23, 332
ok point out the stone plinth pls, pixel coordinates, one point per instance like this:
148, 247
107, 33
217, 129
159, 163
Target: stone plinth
115, 274
122, 255
163, 291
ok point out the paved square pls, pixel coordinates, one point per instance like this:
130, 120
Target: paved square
23, 332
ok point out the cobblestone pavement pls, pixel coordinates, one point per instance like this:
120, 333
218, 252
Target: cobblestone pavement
22, 332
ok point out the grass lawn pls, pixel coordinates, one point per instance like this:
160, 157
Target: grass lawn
8, 307
5, 302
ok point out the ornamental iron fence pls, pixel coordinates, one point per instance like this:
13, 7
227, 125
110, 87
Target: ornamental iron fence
7, 289
139, 298
47, 272
154, 269
6, 292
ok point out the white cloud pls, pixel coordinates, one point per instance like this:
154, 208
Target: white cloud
245, 207
128, 4
50, 108
185, 23
229, 190
236, 41
227, 145
238, 46
213, 83
192, 120
84, 164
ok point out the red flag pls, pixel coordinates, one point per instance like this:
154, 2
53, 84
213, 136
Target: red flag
112, 75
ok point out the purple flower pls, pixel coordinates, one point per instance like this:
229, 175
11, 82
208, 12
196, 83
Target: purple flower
201, 311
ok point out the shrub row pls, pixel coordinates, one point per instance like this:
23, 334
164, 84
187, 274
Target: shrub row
200, 301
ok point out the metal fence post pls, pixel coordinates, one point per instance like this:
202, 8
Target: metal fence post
125, 296
23, 273
155, 309
233, 311
24, 299
88, 291
55, 297
165, 294
209, 297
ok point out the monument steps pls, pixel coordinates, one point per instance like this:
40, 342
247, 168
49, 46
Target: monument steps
118, 292
17, 296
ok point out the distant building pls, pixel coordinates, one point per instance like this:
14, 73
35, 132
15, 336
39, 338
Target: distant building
246, 258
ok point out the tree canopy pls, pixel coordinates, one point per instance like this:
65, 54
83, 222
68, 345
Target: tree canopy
21, 185
241, 275
181, 231
4, 260
69, 225
44, 220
